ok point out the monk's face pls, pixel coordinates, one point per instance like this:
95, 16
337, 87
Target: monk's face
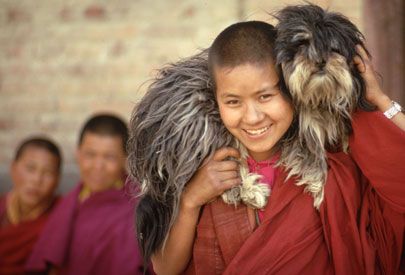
101, 160
252, 107
35, 176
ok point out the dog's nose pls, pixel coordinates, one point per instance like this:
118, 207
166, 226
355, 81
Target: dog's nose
321, 64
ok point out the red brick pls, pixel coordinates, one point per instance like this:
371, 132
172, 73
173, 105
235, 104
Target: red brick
189, 12
118, 49
17, 15
65, 14
95, 12
6, 124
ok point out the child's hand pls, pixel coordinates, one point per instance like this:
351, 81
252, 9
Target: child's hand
212, 178
374, 94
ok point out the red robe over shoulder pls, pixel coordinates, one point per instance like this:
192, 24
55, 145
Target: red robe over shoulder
359, 228
96, 236
17, 241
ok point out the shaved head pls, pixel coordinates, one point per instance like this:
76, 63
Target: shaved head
241, 43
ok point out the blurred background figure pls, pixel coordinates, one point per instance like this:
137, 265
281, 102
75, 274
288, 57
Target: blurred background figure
91, 230
24, 210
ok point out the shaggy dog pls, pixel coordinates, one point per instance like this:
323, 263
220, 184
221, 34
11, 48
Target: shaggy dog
315, 50
177, 125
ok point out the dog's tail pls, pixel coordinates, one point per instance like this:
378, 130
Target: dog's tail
152, 224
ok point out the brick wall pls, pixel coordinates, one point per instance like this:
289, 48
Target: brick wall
61, 61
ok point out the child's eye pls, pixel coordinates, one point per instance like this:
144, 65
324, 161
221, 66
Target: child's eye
30, 167
265, 96
232, 102
49, 173
89, 154
110, 157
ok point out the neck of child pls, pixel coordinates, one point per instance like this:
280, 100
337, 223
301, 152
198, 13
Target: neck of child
18, 211
87, 190
262, 156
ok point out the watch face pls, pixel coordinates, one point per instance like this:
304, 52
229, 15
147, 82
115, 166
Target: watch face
393, 110
397, 106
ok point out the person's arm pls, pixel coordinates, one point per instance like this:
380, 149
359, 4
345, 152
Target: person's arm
210, 181
174, 257
377, 145
383, 103
374, 93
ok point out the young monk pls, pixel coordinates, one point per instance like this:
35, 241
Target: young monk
91, 231
24, 210
359, 226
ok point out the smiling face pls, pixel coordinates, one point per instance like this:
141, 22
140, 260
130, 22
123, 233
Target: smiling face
101, 160
252, 107
35, 175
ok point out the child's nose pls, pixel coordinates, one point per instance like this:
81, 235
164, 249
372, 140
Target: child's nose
36, 177
98, 163
253, 114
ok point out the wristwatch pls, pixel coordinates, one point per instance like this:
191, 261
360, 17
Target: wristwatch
393, 110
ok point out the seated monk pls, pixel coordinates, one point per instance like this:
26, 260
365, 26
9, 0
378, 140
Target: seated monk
24, 210
92, 231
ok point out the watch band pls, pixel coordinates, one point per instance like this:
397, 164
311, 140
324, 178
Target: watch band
393, 110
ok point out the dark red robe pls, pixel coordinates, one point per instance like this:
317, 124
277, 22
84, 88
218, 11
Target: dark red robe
359, 228
96, 236
17, 241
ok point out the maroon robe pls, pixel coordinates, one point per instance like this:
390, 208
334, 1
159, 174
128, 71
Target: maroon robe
17, 241
96, 236
359, 228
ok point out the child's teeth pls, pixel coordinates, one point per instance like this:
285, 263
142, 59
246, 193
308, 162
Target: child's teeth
257, 132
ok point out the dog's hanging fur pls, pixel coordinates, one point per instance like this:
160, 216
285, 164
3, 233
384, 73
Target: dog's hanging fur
315, 49
173, 129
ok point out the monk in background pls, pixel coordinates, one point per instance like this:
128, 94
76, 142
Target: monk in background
92, 231
24, 210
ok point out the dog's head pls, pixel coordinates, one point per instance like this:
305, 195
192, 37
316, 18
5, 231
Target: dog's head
315, 49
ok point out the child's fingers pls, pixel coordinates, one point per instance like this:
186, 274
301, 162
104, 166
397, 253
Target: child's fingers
359, 63
227, 165
227, 175
362, 52
226, 152
228, 184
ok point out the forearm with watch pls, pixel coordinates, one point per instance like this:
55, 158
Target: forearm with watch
391, 109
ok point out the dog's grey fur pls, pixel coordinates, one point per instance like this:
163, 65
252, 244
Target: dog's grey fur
315, 49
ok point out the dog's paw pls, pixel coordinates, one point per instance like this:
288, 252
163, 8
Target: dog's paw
232, 196
253, 192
